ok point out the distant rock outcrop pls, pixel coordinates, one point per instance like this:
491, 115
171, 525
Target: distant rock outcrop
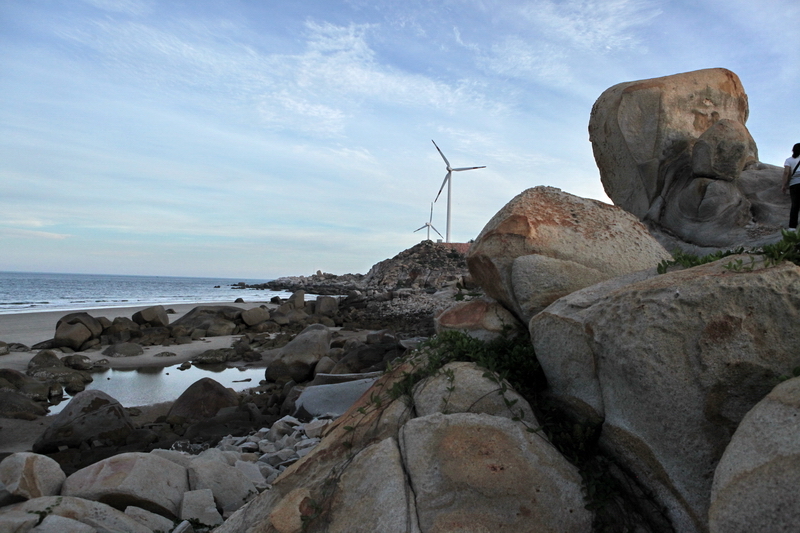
426, 265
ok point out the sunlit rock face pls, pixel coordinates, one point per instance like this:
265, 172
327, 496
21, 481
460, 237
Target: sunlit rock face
675, 152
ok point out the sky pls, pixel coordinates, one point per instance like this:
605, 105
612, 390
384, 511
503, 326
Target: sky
258, 139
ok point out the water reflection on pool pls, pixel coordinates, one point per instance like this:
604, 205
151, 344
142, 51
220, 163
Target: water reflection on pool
145, 386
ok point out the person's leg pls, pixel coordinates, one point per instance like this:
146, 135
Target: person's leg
794, 193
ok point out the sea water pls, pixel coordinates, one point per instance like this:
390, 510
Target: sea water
25, 292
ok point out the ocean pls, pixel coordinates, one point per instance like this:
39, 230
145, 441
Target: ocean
25, 292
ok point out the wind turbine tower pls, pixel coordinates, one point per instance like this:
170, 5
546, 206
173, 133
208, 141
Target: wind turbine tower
429, 225
449, 183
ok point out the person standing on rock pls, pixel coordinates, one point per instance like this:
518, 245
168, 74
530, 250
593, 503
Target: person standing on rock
791, 183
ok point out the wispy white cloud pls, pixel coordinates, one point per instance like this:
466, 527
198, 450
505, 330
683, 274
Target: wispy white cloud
597, 25
31, 234
518, 58
129, 7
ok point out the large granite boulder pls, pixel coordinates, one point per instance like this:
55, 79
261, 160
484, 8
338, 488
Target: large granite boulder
45, 366
75, 329
483, 318
303, 352
371, 357
71, 336
332, 399
488, 473
91, 323
546, 243
755, 484
255, 316
122, 329
30, 475
638, 129
230, 487
374, 481
675, 151
141, 479
90, 415
202, 400
16, 405
155, 316
669, 365
12, 380
212, 320
476, 392
101, 517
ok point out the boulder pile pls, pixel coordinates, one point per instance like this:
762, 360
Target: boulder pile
163, 490
77, 332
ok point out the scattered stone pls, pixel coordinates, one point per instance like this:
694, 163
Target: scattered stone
215, 357
124, 349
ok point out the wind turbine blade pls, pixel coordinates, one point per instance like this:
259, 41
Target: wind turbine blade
467, 168
447, 177
437, 231
423, 227
431, 219
441, 154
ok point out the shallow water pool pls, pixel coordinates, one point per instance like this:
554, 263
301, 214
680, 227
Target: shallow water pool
147, 386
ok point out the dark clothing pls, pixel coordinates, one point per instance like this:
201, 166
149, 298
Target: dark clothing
794, 194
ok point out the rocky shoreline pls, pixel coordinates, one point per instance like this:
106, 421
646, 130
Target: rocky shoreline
597, 385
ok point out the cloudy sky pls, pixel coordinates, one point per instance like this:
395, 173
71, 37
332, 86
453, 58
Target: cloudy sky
256, 139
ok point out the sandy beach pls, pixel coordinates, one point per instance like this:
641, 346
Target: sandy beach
32, 328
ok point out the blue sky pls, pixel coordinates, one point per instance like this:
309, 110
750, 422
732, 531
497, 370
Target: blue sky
256, 139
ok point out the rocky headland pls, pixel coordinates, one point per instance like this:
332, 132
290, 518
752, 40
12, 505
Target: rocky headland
579, 379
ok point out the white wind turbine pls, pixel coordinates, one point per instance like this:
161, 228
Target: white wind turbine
430, 226
449, 183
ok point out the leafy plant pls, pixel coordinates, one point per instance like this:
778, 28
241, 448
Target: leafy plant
787, 249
